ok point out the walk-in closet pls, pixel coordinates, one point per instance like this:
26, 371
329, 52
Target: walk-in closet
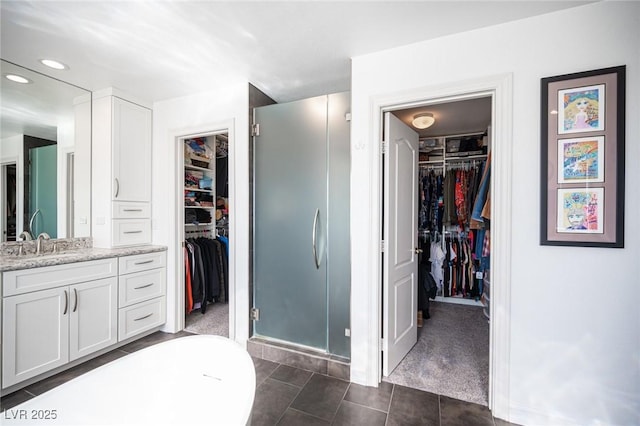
206, 237
452, 225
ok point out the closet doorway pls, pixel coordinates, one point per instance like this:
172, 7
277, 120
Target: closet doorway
8, 177
204, 215
436, 233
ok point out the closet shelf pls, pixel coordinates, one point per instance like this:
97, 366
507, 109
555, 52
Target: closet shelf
208, 191
197, 225
200, 207
448, 159
202, 169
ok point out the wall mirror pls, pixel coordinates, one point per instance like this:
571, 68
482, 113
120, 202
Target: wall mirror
45, 156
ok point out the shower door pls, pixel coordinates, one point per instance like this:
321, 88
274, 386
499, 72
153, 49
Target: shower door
290, 222
41, 190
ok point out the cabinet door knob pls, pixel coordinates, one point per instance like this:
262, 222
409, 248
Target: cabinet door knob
418, 250
117, 188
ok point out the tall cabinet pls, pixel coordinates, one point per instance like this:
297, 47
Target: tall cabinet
121, 171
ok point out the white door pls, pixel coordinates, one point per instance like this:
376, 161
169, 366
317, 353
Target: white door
400, 261
35, 329
131, 151
93, 321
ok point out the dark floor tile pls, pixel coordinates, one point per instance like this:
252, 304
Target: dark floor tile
339, 370
254, 349
378, 398
264, 369
153, 339
296, 418
500, 422
13, 399
354, 414
49, 383
105, 358
454, 412
293, 376
295, 359
321, 396
413, 407
272, 400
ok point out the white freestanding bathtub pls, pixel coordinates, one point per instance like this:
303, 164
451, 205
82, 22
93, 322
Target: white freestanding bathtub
190, 380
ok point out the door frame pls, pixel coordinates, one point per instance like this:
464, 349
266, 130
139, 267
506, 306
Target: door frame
500, 87
176, 294
6, 162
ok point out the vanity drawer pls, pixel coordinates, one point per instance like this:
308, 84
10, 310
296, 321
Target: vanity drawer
141, 286
130, 210
142, 262
27, 280
131, 232
141, 317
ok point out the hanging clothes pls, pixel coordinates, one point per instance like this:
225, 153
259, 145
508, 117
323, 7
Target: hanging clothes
206, 272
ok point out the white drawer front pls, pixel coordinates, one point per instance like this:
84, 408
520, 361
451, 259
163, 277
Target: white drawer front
142, 262
131, 210
27, 280
138, 318
141, 286
131, 232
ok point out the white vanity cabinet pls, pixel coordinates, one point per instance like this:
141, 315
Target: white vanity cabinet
121, 171
142, 285
55, 314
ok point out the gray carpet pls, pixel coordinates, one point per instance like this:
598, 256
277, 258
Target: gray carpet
451, 357
214, 321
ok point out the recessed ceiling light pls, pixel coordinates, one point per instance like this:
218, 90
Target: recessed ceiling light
17, 78
54, 64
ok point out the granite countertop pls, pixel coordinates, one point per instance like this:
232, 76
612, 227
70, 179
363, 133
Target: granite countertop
15, 262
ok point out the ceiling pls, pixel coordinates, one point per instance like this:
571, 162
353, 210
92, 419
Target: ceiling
453, 118
156, 50
39, 108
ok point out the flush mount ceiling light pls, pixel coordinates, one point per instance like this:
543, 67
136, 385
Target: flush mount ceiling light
17, 78
53, 64
423, 120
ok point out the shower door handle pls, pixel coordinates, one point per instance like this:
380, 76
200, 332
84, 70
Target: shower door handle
313, 238
33, 217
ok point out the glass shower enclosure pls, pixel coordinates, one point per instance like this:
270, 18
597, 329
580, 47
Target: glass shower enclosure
301, 270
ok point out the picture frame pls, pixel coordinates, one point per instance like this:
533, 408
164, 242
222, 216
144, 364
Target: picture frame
582, 158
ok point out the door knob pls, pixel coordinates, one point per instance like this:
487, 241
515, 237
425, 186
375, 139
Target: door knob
418, 250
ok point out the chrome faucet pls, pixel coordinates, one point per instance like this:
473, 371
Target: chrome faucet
42, 236
25, 236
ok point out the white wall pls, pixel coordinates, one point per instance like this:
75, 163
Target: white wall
575, 320
65, 145
183, 116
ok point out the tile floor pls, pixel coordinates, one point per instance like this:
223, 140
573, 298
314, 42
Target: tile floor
291, 396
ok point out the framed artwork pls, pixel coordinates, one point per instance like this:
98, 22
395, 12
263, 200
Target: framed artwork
581, 109
580, 210
582, 159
